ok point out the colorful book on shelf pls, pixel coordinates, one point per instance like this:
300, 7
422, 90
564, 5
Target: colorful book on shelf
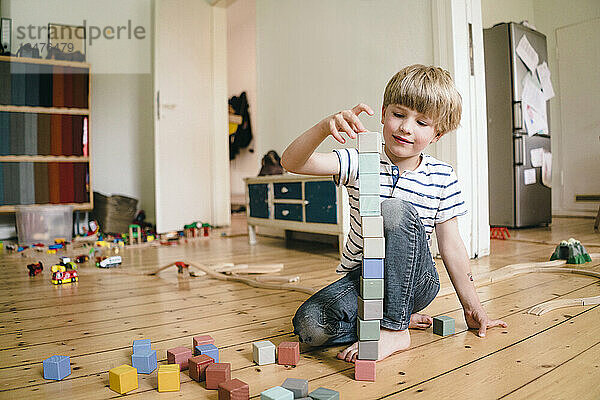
58, 86
77, 121
32, 84
18, 84
67, 182
54, 182
80, 174
56, 134
67, 135
5, 79
26, 182
68, 91
11, 183
80, 87
17, 133
4, 133
40, 172
31, 131
43, 134
46, 79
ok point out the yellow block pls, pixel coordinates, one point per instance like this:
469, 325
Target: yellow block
123, 379
168, 378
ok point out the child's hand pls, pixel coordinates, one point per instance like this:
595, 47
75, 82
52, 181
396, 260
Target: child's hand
478, 319
346, 121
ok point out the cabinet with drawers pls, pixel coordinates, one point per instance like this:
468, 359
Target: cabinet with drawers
297, 203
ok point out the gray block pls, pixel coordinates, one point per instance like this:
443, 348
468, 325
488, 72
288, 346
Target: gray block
370, 309
371, 289
368, 350
443, 325
298, 386
368, 330
324, 394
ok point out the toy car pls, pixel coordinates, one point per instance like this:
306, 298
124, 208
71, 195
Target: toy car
81, 259
35, 269
108, 262
64, 273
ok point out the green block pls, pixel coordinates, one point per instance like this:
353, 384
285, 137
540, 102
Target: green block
324, 394
443, 325
367, 330
369, 184
371, 288
369, 205
368, 163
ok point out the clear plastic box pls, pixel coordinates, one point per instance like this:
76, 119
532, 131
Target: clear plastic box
43, 224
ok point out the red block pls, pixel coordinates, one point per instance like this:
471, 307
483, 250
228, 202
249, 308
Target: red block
179, 355
198, 366
204, 339
217, 373
234, 389
288, 353
364, 370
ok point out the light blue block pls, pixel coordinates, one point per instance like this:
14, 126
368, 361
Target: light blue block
141, 344
144, 361
367, 330
57, 367
369, 184
368, 163
210, 350
277, 393
369, 205
372, 268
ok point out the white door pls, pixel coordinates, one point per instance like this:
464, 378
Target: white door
187, 146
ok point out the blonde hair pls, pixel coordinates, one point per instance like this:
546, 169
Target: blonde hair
429, 91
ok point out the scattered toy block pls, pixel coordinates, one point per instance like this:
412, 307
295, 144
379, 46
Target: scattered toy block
203, 339
234, 389
443, 325
368, 350
374, 247
123, 379
141, 344
263, 352
369, 206
368, 330
372, 268
179, 355
365, 370
370, 309
324, 394
57, 367
168, 378
277, 393
297, 386
288, 353
369, 142
144, 361
368, 184
372, 226
198, 365
216, 373
371, 288
368, 163
209, 349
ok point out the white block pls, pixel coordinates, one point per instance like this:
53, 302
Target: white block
369, 142
374, 247
372, 226
263, 352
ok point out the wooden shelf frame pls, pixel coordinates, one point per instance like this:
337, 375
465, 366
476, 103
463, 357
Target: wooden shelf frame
45, 110
43, 61
76, 206
79, 159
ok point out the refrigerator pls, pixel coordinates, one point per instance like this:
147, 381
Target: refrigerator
515, 200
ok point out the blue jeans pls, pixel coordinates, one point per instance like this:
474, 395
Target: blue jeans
411, 282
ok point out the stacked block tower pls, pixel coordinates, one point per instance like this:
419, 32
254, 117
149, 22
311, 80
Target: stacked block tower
370, 301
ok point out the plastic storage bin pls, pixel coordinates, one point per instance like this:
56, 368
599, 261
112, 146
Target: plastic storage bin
43, 224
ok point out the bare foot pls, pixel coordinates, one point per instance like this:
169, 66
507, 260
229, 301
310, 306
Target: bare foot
420, 321
389, 343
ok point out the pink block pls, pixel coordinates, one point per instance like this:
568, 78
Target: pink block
288, 353
204, 339
179, 355
364, 370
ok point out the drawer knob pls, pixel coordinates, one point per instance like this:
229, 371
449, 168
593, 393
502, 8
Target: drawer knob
285, 212
284, 189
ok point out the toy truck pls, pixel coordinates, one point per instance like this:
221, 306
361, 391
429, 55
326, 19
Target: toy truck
64, 273
108, 262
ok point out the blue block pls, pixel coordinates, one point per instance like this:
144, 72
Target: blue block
209, 349
369, 205
277, 393
368, 163
57, 367
144, 361
369, 183
372, 268
142, 344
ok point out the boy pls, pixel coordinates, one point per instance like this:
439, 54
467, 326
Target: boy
418, 194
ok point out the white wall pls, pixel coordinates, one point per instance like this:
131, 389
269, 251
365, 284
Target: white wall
494, 11
241, 76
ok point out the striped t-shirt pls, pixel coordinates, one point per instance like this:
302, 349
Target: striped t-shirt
432, 188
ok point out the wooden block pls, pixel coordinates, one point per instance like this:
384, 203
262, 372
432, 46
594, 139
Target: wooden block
209, 349
288, 353
217, 373
123, 379
368, 163
168, 378
369, 205
369, 142
179, 355
368, 350
234, 389
443, 325
297, 386
263, 352
370, 309
368, 330
368, 184
324, 394
372, 268
365, 370
144, 361
371, 288
198, 366
203, 339
141, 344
57, 367
277, 393
372, 226
374, 247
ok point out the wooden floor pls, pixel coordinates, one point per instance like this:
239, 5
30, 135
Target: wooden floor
554, 356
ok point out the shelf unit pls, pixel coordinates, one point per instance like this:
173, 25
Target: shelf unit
60, 92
